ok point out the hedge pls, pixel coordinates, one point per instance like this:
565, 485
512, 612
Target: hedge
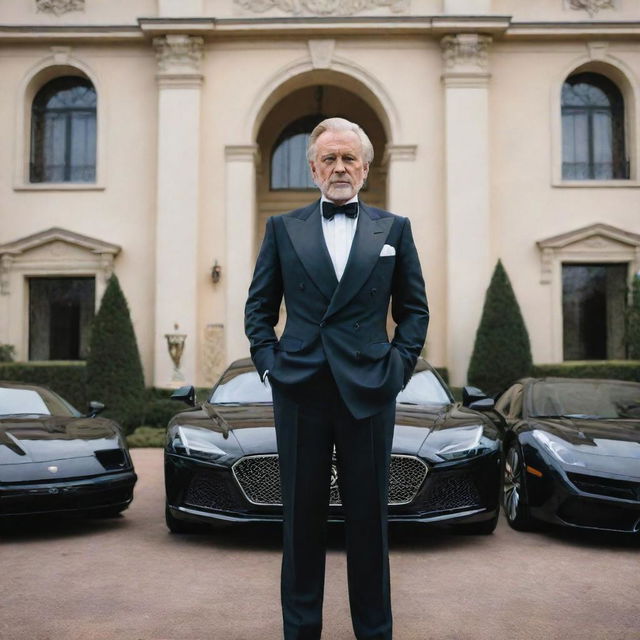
68, 378
613, 369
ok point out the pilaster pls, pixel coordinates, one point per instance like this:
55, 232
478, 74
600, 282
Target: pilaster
179, 95
466, 88
240, 208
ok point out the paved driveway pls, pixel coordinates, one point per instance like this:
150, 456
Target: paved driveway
128, 578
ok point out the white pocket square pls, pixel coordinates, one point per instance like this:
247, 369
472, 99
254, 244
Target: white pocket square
387, 250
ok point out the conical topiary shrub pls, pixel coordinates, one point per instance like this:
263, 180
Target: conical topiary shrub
114, 370
632, 337
502, 352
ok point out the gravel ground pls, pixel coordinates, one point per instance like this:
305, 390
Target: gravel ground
128, 578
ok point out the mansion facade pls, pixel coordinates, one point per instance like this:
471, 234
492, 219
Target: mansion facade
153, 138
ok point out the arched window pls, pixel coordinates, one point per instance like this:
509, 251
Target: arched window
592, 129
63, 132
289, 167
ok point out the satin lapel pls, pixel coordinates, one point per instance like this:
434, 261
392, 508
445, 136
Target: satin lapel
368, 241
305, 232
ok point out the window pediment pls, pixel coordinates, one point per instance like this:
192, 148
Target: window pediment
596, 242
58, 251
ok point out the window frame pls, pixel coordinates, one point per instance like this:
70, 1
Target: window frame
59, 64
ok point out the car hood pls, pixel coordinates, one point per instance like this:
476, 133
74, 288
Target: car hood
251, 426
601, 436
44, 438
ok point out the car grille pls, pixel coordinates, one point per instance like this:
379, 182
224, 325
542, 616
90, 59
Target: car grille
259, 479
606, 486
209, 491
451, 491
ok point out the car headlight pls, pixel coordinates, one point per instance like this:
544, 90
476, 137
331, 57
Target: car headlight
461, 442
196, 442
558, 448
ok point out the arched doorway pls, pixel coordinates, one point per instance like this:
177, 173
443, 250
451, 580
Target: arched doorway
282, 184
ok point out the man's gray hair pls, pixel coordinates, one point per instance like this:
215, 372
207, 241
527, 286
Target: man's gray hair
340, 124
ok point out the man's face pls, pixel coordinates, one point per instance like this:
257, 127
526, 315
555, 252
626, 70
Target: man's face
339, 170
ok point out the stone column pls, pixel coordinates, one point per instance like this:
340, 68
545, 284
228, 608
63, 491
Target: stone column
240, 208
466, 88
400, 178
177, 202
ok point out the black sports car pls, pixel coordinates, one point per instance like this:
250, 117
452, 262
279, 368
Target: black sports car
572, 453
54, 460
221, 461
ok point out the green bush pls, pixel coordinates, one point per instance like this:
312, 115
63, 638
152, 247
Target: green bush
66, 378
114, 370
612, 369
7, 352
502, 352
147, 437
632, 333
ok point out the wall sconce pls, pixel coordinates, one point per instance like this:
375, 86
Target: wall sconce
216, 272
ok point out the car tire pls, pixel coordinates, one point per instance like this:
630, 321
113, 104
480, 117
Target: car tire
181, 526
514, 501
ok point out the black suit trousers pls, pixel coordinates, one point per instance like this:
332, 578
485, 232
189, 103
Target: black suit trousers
310, 421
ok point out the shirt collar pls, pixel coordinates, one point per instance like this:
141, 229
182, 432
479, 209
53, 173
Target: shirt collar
323, 199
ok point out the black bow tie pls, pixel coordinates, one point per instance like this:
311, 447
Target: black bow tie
329, 209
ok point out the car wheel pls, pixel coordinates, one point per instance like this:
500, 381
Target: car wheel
514, 491
181, 526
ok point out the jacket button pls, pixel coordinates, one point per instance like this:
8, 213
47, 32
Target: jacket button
356, 325
357, 355
323, 323
373, 291
301, 286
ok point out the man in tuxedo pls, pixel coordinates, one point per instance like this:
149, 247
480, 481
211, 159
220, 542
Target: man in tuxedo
335, 375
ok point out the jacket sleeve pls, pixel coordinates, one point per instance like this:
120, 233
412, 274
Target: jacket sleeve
262, 309
409, 307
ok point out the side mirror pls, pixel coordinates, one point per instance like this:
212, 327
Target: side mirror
185, 394
485, 404
472, 394
95, 408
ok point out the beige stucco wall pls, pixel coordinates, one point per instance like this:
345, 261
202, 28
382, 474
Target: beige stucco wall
395, 66
122, 212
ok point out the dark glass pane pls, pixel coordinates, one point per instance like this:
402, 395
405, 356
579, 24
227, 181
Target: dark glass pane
63, 132
593, 141
593, 311
60, 313
289, 166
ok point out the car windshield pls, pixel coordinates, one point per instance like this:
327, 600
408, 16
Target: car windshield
33, 401
242, 386
423, 388
585, 399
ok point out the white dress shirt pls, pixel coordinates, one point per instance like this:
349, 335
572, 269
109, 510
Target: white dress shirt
338, 236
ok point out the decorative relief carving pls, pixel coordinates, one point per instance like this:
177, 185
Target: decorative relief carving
466, 53
5, 267
322, 7
591, 6
58, 7
179, 53
321, 52
213, 357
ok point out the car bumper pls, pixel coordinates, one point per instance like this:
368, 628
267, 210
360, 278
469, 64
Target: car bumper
113, 490
575, 498
454, 493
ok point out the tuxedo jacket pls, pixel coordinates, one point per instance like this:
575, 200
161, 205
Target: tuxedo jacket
339, 324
